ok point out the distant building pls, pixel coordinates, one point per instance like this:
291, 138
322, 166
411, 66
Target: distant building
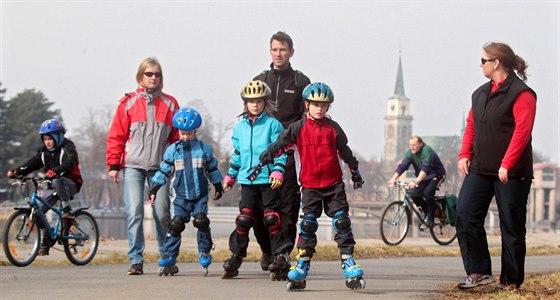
544, 202
398, 125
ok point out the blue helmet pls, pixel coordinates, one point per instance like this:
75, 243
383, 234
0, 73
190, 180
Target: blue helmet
187, 118
319, 92
55, 129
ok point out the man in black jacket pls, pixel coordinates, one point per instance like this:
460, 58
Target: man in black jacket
287, 86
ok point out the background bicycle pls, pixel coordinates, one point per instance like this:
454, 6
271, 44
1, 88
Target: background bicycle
396, 219
21, 237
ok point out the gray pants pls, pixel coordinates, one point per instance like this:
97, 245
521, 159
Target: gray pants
65, 188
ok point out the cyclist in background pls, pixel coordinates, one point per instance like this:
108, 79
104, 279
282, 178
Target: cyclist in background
429, 172
59, 159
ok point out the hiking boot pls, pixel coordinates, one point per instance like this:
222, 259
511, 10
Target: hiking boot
475, 280
136, 269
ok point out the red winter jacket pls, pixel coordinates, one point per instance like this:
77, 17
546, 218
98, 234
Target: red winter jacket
141, 130
319, 143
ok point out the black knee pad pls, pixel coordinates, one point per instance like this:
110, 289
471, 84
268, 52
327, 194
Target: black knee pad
176, 226
341, 223
244, 221
308, 226
201, 222
272, 221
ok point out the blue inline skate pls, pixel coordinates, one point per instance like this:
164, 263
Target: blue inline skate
205, 259
166, 266
298, 273
353, 273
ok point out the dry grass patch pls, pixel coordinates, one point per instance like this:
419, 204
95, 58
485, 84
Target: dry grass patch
536, 287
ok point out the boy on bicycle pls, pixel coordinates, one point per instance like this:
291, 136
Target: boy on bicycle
59, 159
320, 142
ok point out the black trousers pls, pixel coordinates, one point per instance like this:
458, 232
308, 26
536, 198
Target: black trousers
288, 208
258, 198
472, 206
332, 199
424, 195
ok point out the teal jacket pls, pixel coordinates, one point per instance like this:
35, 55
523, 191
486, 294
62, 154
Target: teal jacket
248, 143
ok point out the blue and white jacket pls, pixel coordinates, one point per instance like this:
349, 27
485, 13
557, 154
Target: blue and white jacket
248, 143
192, 162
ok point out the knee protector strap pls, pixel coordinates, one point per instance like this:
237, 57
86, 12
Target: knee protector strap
308, 226
244, 221
272, 221
201, 222
341, 223
176, 226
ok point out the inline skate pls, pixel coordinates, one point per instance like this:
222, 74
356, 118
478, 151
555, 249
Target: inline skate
298, 273
205, 259
353, 273
280, 267
166, 266
231, 266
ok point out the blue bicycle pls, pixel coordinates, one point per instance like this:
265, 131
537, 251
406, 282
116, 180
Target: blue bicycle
22, 235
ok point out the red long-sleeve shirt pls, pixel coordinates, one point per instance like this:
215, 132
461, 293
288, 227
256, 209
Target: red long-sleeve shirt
524, 111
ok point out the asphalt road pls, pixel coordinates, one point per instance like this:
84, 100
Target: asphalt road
395, 278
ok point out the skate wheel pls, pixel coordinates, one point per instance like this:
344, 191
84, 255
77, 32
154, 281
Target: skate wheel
294, 286
205, 271
357, 283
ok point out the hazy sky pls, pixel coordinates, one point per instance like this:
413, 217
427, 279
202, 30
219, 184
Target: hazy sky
84, 54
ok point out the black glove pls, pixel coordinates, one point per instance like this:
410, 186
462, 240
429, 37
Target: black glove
254, 172
357, 179
218, 191
154, 191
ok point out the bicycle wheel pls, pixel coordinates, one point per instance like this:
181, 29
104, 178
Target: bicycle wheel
394, 223
442, 232
81, 238
21, 239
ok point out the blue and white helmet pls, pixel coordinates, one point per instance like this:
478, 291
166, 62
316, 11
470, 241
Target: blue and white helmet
319, 92
187, 118
55, 129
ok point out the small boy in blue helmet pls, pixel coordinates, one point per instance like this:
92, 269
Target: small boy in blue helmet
192, 161
320, 142
59, 159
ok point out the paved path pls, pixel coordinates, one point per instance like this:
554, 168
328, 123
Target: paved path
397, 278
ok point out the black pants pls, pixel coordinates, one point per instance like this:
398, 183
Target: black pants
258, 198
472, 206
288, 208
332, 199
426, 191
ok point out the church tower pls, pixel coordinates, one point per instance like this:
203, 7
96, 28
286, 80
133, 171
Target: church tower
398, 125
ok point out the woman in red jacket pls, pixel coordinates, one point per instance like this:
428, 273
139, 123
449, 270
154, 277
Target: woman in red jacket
496, 158
141, 130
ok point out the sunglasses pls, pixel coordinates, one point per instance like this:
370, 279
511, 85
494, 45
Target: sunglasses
150, 74
484, 60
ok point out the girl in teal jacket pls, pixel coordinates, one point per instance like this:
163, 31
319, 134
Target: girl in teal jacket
259, 198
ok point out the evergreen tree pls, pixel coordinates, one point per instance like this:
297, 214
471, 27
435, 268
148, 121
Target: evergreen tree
21, 117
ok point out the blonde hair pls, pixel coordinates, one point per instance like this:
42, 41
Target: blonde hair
144, 64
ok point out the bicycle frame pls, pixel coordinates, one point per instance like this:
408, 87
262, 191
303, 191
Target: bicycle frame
408, 203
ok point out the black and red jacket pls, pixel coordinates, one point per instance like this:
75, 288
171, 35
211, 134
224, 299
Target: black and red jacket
319, 143
63, 160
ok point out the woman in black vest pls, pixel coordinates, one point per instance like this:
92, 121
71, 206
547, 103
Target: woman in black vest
496, 158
